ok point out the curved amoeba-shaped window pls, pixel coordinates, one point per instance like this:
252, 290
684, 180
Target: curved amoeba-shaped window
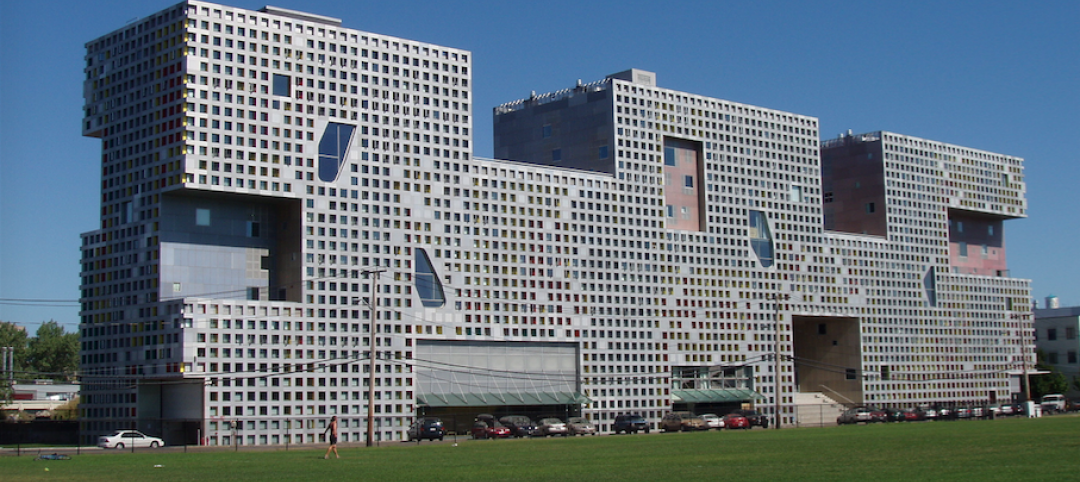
333, 146
427, 282
761, 238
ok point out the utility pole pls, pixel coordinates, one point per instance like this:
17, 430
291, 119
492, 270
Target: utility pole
373, 303
7, 363
1020, 317
7, 371
777, 298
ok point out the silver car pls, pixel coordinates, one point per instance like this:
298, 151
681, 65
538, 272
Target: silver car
713, 421
855, 415
550, 426
580, 426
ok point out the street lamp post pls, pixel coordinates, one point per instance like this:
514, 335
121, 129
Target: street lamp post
777, 298
373, 302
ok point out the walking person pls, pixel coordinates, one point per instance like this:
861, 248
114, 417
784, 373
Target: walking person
332, 430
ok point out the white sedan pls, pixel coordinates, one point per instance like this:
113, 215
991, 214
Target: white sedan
129, 438
712, 421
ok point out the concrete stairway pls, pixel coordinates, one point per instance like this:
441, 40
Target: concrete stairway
813, 409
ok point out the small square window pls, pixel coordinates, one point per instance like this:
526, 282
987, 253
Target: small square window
202, 217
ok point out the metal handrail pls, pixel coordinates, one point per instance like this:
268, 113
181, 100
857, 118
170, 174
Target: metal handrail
839, 394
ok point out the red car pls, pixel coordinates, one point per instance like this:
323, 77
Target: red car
481, 430
734, 420
913, 415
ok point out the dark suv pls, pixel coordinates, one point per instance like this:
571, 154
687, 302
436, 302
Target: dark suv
630, 424
519, 425
430, 428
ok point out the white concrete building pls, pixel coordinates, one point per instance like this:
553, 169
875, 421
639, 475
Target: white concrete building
264, 172
1056, 335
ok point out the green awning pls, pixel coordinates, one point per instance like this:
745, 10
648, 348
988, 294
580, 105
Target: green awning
502, 398
715, 396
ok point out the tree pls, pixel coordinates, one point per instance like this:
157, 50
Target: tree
67, 411
1053, 382
12, 336
54, 353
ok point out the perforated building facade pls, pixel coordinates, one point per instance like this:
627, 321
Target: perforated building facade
274, 185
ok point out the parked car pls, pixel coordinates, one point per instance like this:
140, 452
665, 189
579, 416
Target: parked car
1072, 404
854, 415
129, 438
713, 421
580, 426
551, 426
682, 421
931, 413
961, 413
1019, 409
944, 413
1053, 403
672, 422
694, 422
893, 415
881, 415
519, 425
429, 428
755, 418
994, 411
735, 420
913, 415
484, 430
630, 424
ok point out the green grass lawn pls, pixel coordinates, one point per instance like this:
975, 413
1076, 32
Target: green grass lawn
1008, 450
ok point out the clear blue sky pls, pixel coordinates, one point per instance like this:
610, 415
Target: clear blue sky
993, 75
